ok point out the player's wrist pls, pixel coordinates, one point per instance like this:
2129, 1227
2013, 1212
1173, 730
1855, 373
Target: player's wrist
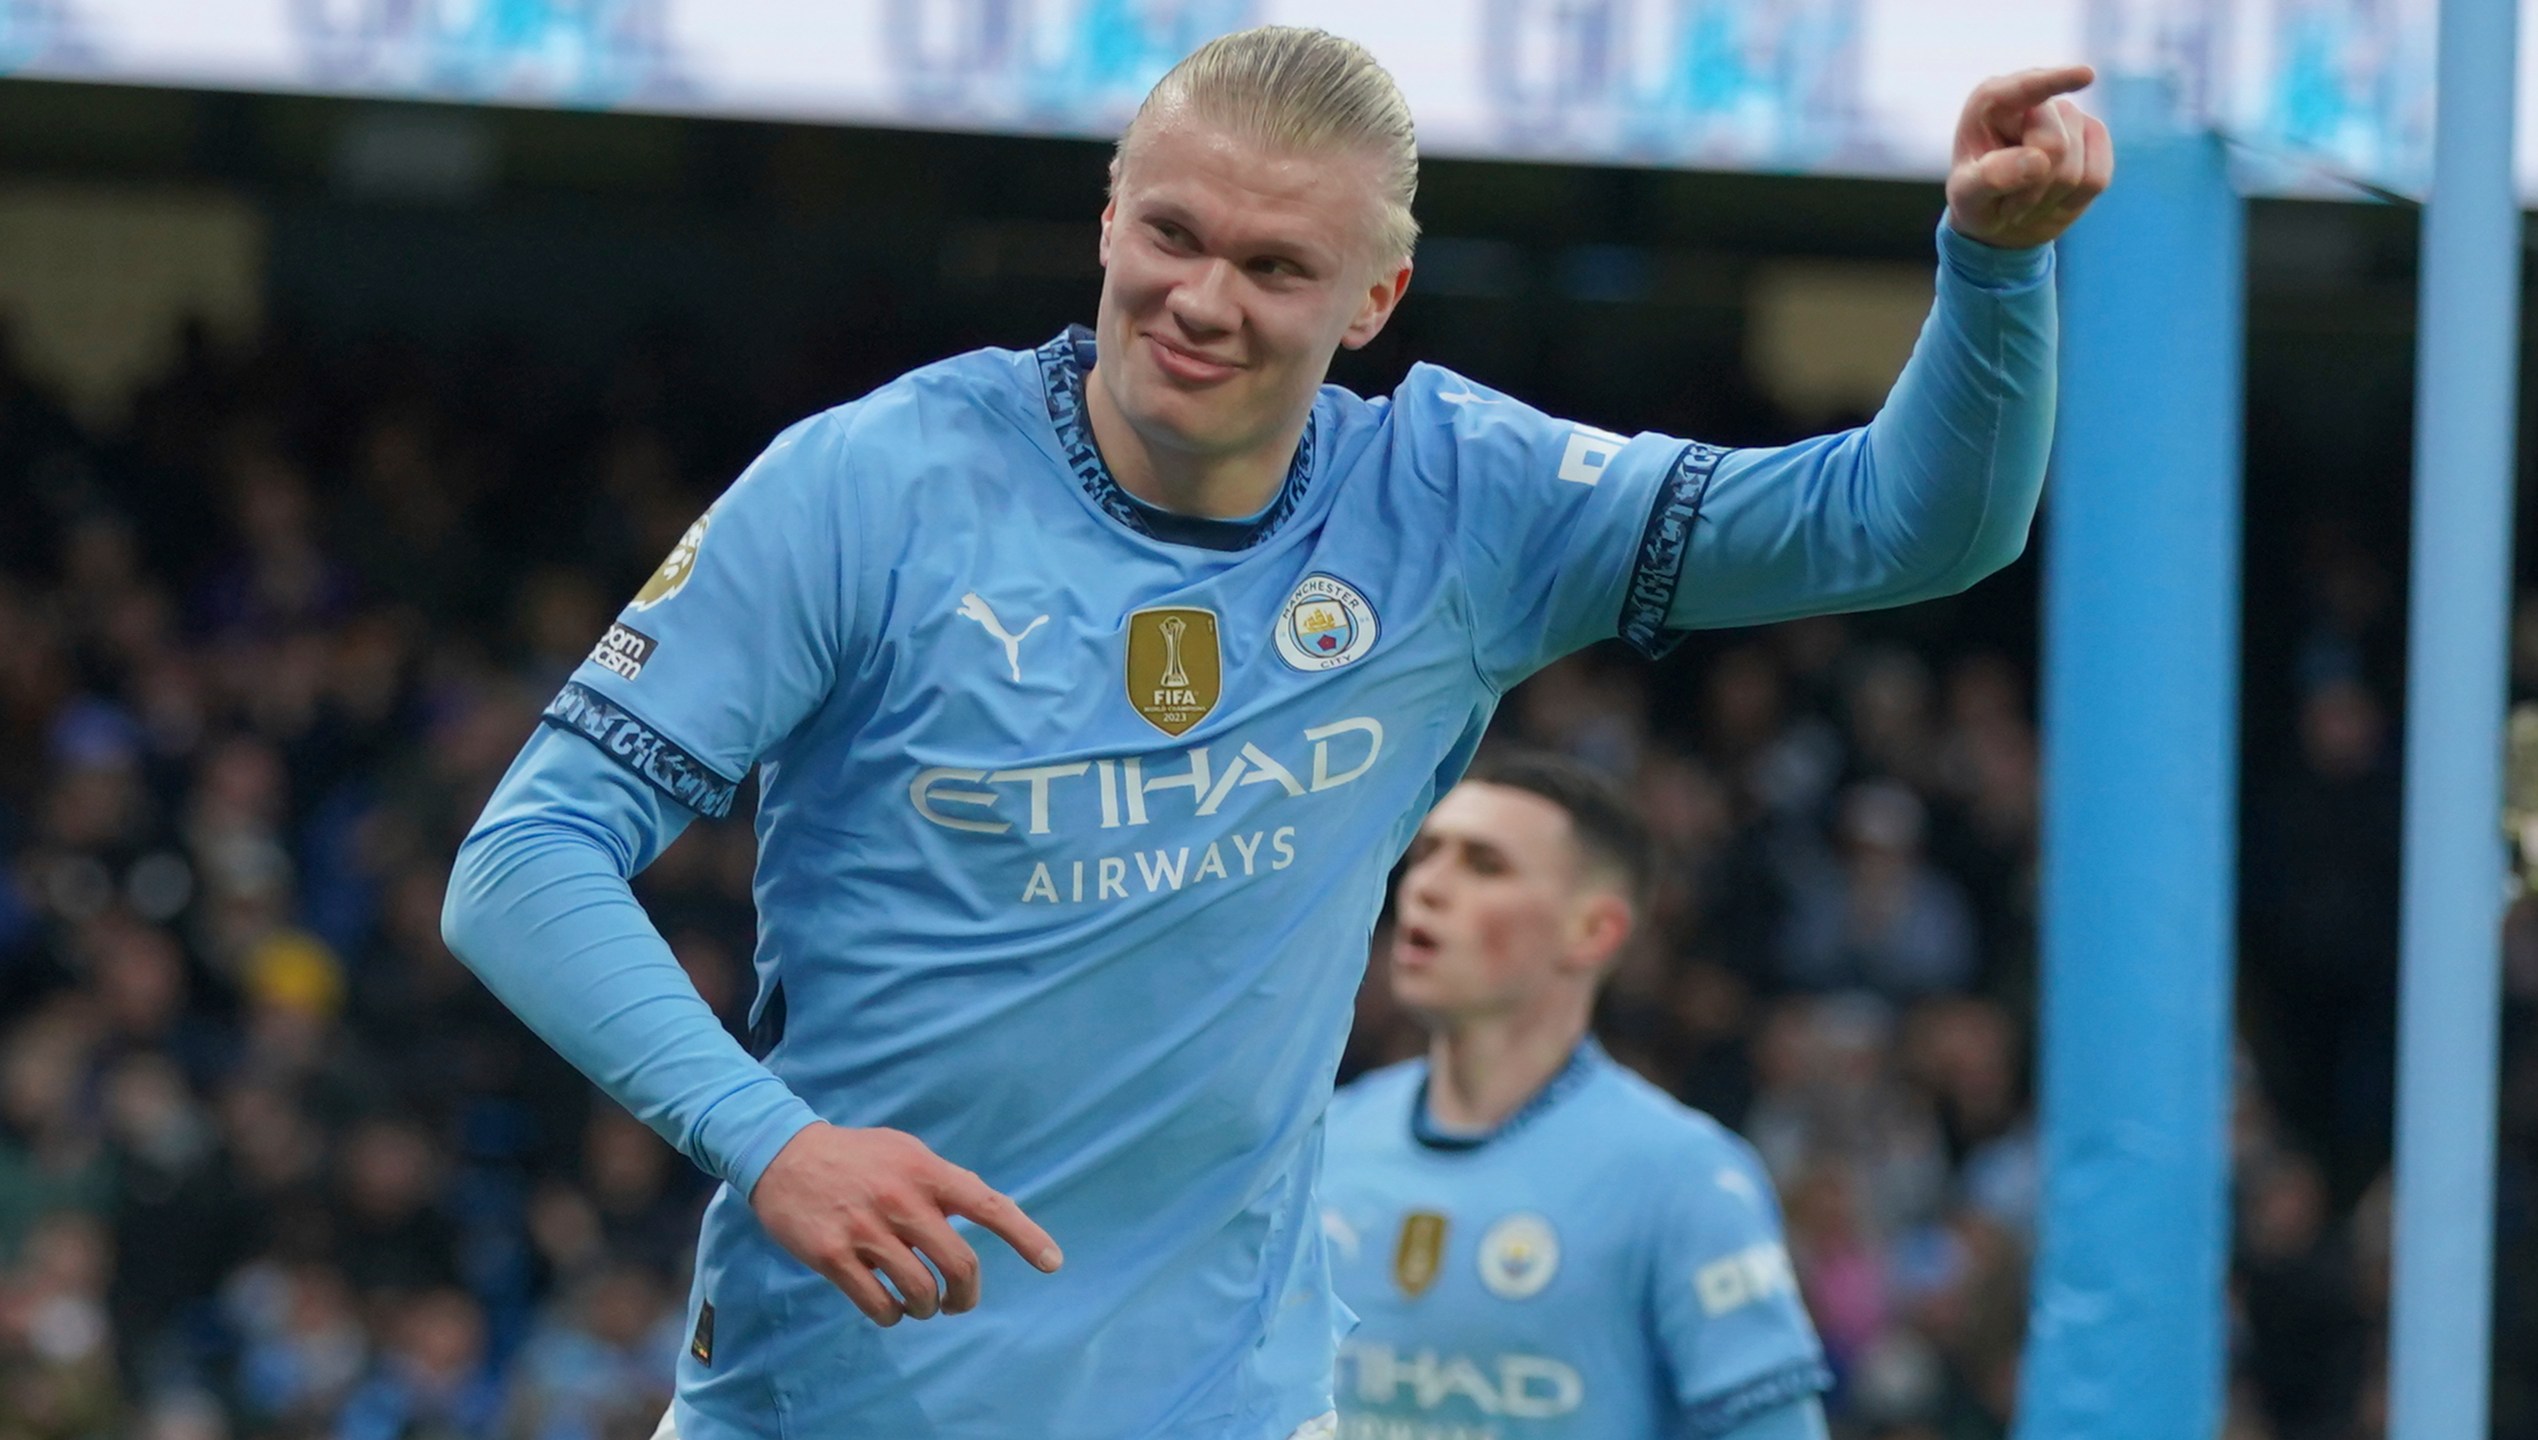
742, 1144
1988, 265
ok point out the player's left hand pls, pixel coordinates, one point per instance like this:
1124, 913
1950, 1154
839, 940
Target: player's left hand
2028, 161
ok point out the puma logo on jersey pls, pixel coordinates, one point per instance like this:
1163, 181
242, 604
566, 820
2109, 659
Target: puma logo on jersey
974, 608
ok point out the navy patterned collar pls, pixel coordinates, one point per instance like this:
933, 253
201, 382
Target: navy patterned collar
1584, 1061
1064, 362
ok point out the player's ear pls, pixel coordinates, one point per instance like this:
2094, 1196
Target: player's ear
1382, 298
1110, 213
1603, 928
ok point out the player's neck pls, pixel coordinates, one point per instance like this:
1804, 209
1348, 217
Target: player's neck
1482, 1071
1212, 487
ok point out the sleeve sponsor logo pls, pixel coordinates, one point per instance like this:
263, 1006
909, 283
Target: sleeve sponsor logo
1588, 452
622, 651
1733, 1282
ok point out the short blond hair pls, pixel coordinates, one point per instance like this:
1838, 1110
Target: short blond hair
1290, 87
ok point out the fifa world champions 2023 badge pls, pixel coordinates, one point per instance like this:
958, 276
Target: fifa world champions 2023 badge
1419, 1254
1326, 624
1175, 670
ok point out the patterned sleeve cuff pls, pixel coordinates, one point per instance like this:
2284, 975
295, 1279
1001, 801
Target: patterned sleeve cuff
624, 737
1724, 1412
1658, 572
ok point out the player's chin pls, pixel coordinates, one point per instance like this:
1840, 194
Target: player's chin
1206, 422
1416, 982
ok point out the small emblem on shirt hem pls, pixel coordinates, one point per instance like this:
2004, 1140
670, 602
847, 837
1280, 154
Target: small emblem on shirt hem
702, 1346
1420, 1253
1326, 624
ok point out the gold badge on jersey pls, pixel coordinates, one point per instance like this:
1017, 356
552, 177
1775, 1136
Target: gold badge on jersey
672, 575
1420, 1252
1174, 670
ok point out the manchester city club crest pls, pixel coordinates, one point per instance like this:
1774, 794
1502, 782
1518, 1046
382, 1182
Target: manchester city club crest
1518, 1256
1326, 624
1175, 671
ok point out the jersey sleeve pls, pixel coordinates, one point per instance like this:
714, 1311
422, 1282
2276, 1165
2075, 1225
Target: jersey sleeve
1735, 1336
1935, 493
539, 907
1567, 534
738, 635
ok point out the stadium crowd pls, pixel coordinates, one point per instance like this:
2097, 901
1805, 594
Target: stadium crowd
273, 1166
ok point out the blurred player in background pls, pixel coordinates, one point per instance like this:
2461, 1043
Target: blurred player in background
1092, 692
1539, 1244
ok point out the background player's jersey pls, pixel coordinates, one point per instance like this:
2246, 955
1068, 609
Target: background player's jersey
1608, 1264
1070, 840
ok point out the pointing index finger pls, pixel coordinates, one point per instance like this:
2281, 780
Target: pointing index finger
972, 1199
2011, 96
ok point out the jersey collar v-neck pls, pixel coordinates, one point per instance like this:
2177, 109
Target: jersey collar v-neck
1582, 1064
1064, 362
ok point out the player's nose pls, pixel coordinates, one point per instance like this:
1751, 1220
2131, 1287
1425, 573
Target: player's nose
1422, 887
1204, 302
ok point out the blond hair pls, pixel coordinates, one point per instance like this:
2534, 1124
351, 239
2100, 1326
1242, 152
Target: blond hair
1293, 88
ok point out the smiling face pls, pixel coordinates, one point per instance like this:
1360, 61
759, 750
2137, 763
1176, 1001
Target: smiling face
1500, 909
1233, 273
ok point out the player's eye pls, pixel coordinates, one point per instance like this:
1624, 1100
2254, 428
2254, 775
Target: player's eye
1172, 236
1277, 267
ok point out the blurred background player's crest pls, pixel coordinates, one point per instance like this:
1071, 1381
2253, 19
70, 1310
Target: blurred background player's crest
1420, 1252
1175, 673
1518, 1256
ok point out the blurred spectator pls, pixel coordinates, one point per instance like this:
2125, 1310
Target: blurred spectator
1879, 917
57, 1368
602, 1366
395, 1234
434, 1381
302, 1343
2320, 917
2295, 1281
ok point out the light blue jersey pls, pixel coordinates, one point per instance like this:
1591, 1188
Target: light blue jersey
1074, 817
1608, 1265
